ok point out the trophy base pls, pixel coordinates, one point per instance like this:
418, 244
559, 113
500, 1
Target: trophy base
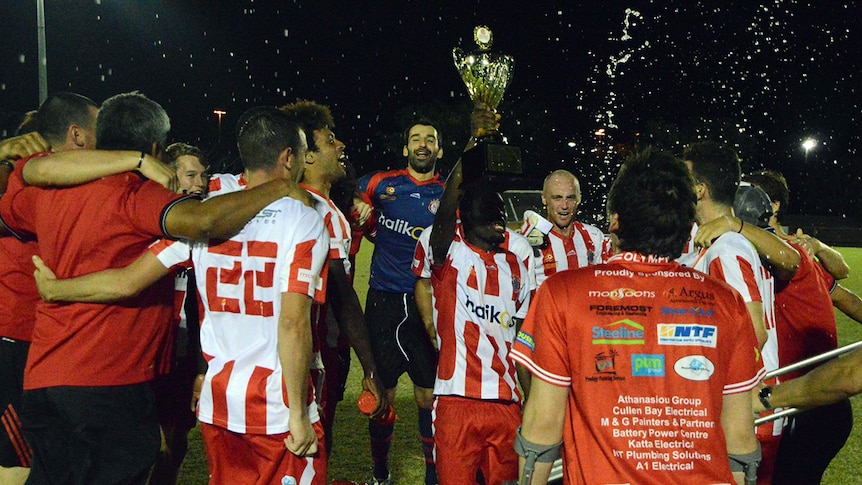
491, 156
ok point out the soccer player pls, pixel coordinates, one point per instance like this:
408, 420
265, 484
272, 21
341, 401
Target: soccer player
260, 422
175, 386
569, 244
68, 121
733, 259
404, 203
805, 323
641, 366
342, 313
191, 166
480, 296
88, 410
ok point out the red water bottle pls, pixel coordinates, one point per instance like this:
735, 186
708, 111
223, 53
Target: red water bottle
366, 404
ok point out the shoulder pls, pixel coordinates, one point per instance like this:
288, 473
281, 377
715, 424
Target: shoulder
223, 183
733, 244
594, 231
518, 244
370, 181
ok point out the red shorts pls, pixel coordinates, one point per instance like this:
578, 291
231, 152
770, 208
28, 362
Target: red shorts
260, 459
472, 435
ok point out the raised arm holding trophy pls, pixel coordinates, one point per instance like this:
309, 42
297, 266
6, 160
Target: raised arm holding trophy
487, 74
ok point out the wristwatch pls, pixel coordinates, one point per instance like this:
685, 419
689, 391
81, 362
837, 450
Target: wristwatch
8, 164
765, 395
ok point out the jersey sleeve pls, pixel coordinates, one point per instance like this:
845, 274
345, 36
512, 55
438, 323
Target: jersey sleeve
600, 255
735, 265
171, 253
541, 343
305, 271
421, 265
523, 303
148, 205
18, 204
745, 367
519, 245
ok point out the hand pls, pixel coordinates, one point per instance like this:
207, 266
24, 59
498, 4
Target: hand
44, 279
23, 146
374, 385
709, 232
302, 440
811, 245
757, 406
196, 391
483, 121
362, 210
160, 173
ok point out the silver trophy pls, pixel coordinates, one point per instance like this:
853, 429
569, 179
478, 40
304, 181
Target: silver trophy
487, 74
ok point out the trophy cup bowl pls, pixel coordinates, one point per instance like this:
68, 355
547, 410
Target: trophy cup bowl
487, 74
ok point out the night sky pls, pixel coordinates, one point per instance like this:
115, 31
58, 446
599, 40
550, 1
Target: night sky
761, 76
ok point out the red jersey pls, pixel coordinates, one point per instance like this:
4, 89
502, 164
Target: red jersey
648, 349
804, 315
101, 225
18, 293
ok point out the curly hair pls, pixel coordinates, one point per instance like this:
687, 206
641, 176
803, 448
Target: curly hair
311, 117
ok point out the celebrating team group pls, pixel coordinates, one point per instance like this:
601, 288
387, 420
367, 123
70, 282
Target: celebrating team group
143, 295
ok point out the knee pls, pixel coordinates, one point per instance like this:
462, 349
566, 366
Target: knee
424, 397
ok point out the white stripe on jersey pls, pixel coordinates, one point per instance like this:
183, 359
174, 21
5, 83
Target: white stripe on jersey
240, 282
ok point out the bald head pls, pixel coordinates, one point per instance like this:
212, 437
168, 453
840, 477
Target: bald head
561, 193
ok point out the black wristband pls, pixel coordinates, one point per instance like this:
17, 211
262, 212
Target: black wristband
741, 225
8, 164
141, 160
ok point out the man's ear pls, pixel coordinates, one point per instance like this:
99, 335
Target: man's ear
614, 224
76, 134
701, 190
309, 158
286, 159
439, 153
404, 151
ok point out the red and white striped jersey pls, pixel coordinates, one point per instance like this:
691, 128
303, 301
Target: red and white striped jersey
240, 282
514, 242
476, 297
733, 259
587, 245
340, 239
337, 225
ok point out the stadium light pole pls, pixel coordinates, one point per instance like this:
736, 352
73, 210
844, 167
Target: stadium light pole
43, 55
219, 113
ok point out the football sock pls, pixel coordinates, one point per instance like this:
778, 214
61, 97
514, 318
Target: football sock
427, 434
380, 431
